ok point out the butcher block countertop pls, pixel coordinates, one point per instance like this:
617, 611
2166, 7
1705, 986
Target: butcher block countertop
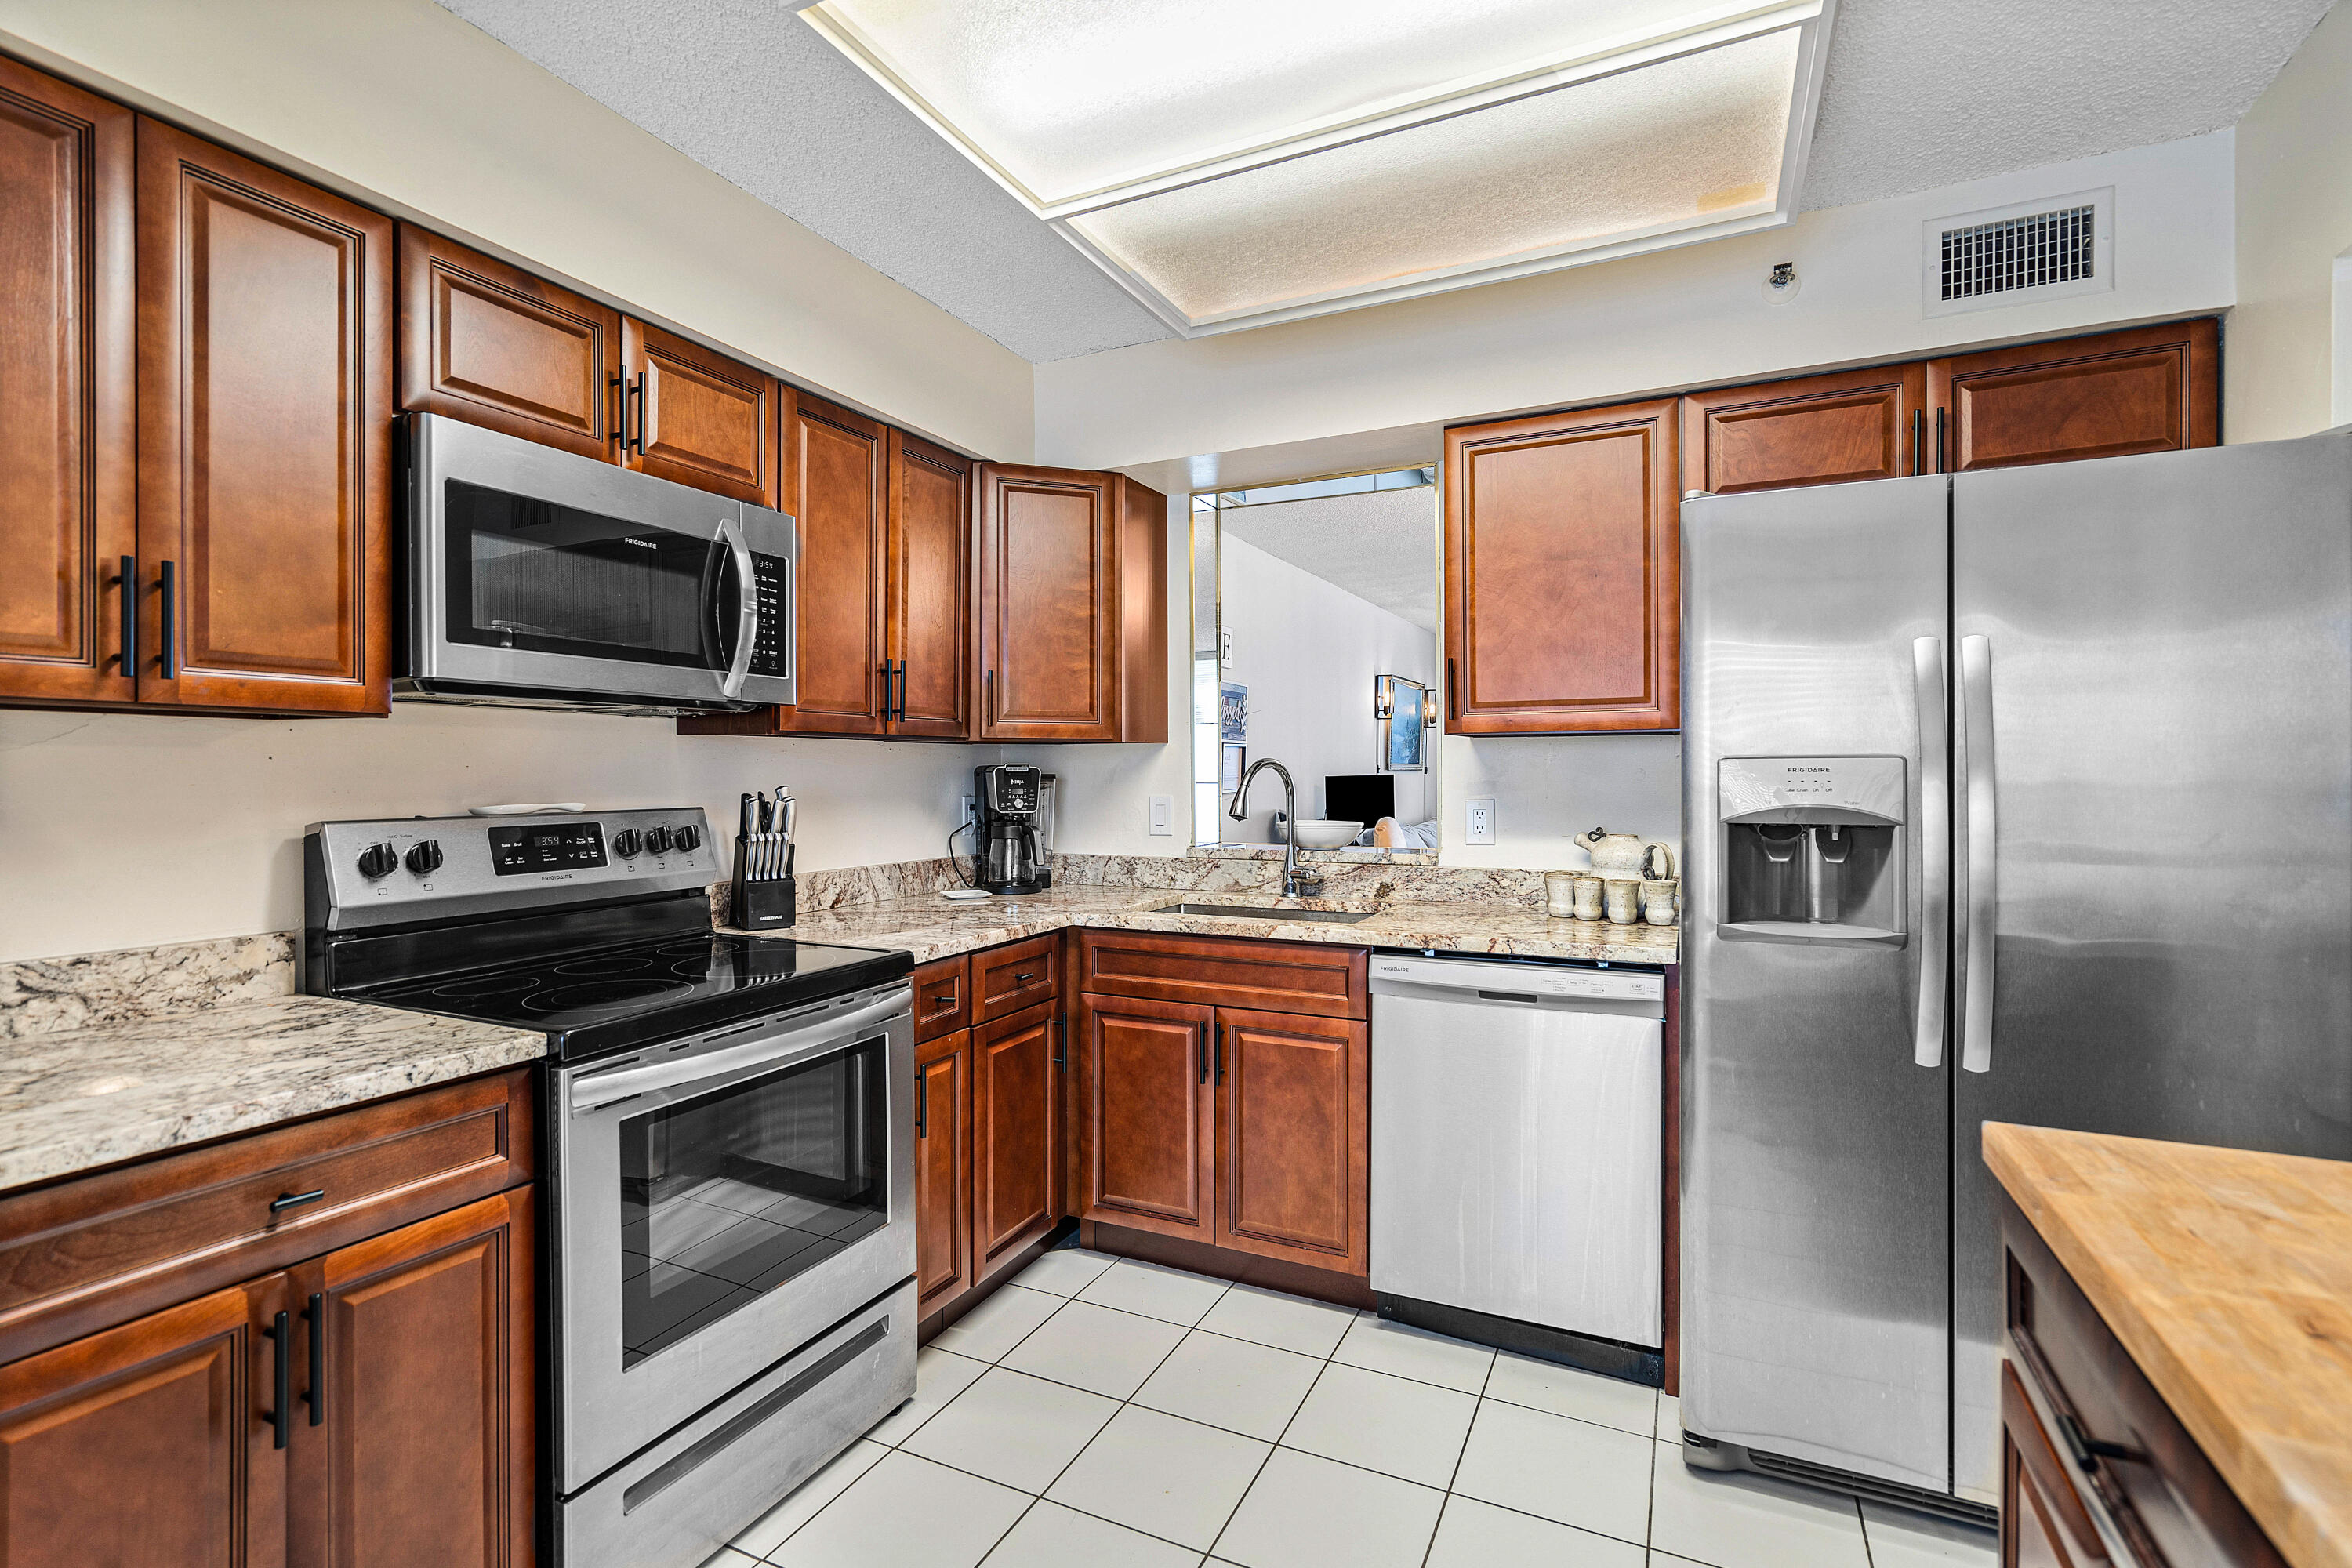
2228, 1276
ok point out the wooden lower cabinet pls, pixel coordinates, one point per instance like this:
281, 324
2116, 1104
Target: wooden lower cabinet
942, 1169
1016, 1143
1293, 1095
1145, 1156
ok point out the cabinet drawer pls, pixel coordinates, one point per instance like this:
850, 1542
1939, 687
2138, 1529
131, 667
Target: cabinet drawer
100, 1249
1264, 977
2165, 1498
1021, 974
942, 998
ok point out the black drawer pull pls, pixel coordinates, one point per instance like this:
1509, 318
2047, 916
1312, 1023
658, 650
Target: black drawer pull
284, 1200
945, 999
2089, 1450
1025, 979
280, 1417
315, 1314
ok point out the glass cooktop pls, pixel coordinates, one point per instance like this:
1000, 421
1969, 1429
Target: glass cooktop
623, 996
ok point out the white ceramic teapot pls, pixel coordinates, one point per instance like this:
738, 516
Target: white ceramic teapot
1627, 854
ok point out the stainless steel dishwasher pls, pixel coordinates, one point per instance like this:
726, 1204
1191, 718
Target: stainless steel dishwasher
1517, 1126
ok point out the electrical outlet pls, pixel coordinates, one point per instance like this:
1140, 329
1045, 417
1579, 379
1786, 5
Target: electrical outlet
1482, 820
968, 803
1163, 816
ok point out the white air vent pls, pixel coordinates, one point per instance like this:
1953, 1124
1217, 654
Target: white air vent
2042, 250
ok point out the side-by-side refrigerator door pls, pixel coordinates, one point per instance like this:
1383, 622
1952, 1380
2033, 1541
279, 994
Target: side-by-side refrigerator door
1815, 1286
2154, 879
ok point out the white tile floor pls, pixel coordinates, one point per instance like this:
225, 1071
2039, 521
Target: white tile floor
1103, 1414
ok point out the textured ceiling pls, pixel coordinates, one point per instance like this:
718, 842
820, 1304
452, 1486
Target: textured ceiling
1919, 93
1380, 545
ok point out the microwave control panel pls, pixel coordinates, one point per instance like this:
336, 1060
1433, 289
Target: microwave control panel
771, 653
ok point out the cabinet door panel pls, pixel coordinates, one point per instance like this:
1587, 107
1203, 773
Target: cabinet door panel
66, 514
1144, 1153
490, 344
1820, 430
842, 460
147, 1444
1048, 605
2152, 389
1562, 586
943, 1268
265, 466
1291, 1128
930, 587
1016, 1136
423, 1449
702, 419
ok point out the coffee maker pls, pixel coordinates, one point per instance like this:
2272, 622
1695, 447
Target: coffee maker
1014, 802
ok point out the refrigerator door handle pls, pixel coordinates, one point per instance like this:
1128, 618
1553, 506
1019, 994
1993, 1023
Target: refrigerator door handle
1976, 721
1935, 850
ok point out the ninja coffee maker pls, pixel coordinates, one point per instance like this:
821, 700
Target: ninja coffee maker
1015, 805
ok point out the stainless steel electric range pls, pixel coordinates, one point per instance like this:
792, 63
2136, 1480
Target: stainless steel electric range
730, 1164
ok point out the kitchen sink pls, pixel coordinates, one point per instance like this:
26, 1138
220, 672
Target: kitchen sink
1263, 912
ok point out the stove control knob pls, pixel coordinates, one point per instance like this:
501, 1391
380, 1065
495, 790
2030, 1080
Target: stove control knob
626, 843
658, 840
424, 857
378, 861
688, 840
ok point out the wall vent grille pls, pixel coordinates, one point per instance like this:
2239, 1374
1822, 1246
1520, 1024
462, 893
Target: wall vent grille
2030, 252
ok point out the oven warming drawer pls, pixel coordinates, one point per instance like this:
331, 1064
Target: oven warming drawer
676, 1503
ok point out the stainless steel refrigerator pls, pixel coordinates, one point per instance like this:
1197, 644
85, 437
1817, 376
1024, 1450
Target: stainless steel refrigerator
2021, 796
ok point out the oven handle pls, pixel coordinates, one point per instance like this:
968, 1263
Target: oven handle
747, 611
605, 1088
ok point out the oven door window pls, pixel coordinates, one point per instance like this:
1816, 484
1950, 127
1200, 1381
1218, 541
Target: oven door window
727, 1195
548, 578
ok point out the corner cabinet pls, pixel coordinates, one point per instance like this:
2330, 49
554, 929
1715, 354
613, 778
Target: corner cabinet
1072, 606
1562, 583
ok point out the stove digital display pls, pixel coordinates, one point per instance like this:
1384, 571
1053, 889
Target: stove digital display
517, 851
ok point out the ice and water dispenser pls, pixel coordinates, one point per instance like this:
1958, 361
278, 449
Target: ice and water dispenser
1812, 849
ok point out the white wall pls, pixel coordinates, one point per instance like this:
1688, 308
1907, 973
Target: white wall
1307, 650
2289, 360
120, 830
400, 102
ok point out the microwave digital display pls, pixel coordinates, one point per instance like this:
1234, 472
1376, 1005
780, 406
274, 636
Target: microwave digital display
515, 851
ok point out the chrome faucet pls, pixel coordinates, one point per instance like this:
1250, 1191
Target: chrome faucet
1295, 883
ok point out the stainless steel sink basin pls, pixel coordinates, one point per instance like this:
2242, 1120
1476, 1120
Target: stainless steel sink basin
1261, 912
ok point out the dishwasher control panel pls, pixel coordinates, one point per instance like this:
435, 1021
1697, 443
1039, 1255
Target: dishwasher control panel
1541, 980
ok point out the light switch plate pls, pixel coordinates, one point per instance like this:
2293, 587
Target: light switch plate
1482, 820
1224, 645
1163, 816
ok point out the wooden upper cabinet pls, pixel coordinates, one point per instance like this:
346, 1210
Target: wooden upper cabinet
1143, 611
1048, 605
2150, 389
148, 1443
1562, 592
929, 631
264, 440
842, 463
490, 344
1292, 1097
1145, 1153
1016, 1135
943, 1257
1819, 430
418, 1447
67, 499
696, 417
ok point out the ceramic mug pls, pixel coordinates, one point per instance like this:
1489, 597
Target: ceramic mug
1623, 896
1588, 898
1560, 894
1659, 901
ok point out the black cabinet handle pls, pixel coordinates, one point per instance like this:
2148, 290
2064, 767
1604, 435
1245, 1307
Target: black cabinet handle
315, 1314
922, 1104
284, 1200
1939, 441
944, 999
168, 587
620, 385
1453, 690
639, 445
1060, 1040
1025, 979
1918, 437
128, 584
1221, 1055
1204, 1056
988, 704
280, 1417
2089, 1450
902, 691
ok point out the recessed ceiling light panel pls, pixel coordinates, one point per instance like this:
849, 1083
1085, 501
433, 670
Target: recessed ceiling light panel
1234, 163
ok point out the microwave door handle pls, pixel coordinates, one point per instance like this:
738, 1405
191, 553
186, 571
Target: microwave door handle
747, 613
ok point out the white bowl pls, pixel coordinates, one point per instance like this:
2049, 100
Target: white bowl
1321, 833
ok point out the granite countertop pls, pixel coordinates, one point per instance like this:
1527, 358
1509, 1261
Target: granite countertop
2228, 1276
72, 1100
930, 926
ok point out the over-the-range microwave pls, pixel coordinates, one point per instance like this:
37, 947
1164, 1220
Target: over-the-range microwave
543, 578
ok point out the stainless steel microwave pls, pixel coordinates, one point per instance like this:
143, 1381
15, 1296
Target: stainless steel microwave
543, 578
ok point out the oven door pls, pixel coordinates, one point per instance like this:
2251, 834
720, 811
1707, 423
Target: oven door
720, 1203
542, 574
